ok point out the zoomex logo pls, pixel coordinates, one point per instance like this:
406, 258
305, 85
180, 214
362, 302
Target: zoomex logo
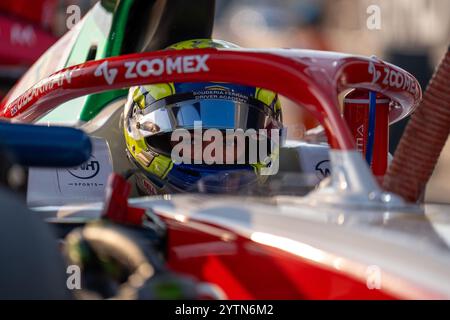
154, 67
87, 170
323, 169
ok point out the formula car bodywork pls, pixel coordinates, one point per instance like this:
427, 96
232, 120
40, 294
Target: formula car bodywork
23, 37
348, 239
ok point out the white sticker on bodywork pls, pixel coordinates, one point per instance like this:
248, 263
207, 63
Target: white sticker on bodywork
85, 183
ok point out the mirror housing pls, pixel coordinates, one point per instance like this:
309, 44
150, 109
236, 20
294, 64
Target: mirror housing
39, 146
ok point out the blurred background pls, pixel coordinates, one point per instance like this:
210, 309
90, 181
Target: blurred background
412, 34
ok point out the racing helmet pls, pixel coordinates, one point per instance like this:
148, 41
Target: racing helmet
153, 113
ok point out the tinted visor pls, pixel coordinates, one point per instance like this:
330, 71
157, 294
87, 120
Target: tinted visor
166, 116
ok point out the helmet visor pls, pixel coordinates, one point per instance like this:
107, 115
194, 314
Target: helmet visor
208, 114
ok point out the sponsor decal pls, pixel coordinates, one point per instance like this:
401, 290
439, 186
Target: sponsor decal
86, 171
109, 74
360, 138
23, 35
79, 184
392, 78
323, 169
220, 93
40, 90
155, 67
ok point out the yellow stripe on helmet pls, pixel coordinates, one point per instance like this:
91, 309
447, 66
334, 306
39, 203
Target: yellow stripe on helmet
268, 97
202, 44
159, 91
145, 95
160, 166
139, 97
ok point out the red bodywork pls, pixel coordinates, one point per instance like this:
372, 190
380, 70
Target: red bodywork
38, 12
24, 36
244, 269
356, 113
22, 43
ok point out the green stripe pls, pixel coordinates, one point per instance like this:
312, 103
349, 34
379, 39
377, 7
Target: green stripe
95, 103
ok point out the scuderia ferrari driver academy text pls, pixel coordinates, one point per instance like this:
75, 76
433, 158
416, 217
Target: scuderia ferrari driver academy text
155, 67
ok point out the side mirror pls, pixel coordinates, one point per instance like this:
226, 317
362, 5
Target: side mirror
39, 146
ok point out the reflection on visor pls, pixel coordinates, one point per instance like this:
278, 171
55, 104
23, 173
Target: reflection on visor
215, 113
226, 183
